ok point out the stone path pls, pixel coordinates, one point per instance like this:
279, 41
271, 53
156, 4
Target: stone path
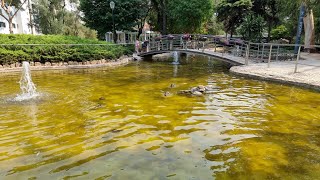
308, 74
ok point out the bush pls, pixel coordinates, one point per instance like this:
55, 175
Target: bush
280, 32
50, 48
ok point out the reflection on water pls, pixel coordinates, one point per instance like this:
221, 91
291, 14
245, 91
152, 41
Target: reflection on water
116, 124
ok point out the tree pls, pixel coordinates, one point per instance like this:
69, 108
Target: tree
252, 27
290, 15
144, 10
11, 8
214, 27
232, 12
160, 10
51, 17
73, 27
98, 14
31, 23
182, 12
268, 10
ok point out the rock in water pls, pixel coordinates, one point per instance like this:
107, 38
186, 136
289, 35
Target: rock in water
197, 93
201, 88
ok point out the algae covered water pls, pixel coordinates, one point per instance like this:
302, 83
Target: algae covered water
130, 123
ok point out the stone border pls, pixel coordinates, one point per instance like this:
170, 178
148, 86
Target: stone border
37, 66
279, 80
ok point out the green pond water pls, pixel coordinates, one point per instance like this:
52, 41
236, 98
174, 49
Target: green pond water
116, 124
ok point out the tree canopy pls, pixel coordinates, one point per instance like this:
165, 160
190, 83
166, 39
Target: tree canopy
232, 12
9, 11
127, 14
188, 16
51, 17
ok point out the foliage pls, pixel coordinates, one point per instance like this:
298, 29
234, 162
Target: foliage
127, 14
48, 16
268, 10
182, 12
214, 27
251, 28
73, 27
159, 15
280, 32
180, 16
232, 12
289, 13
10, 13
56, 53
51, 17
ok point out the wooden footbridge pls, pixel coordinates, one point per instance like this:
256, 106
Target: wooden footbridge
233, 51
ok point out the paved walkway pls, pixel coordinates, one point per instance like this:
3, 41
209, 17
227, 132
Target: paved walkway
308, 74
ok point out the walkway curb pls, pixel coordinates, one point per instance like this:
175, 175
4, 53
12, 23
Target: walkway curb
113, 63
271, 78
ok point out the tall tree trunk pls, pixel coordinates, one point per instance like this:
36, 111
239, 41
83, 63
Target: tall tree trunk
269, 29
309, 39
30, 16
164, 17
159, 19
140, 32
10, 25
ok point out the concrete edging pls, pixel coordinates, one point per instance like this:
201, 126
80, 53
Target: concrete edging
275, 79
113, 63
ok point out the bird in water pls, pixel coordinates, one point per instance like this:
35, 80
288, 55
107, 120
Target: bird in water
166, 94
172, 85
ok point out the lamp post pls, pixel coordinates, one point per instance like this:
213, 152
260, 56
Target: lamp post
112, 4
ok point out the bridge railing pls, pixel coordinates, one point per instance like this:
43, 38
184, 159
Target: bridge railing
250, 52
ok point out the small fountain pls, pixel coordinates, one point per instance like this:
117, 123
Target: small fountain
175, 58
28, 89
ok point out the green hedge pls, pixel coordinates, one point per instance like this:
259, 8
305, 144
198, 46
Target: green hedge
12, 51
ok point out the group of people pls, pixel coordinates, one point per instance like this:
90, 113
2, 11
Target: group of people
141, 47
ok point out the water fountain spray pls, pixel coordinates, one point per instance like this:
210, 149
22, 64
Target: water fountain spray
28, 88
175, 58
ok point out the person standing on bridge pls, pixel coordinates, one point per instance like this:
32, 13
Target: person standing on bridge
137, 46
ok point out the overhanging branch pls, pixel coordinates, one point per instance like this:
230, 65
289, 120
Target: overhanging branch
18, 9
4, 17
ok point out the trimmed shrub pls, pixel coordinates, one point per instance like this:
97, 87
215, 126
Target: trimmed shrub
280, 32
52, 48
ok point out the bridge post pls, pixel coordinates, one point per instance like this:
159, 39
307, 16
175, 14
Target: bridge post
215, 46
202, 46
298, 58
278, 53
222, 50
270, 55
262, 54
247, 55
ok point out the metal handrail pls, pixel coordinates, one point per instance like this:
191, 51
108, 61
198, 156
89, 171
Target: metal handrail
64, 44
